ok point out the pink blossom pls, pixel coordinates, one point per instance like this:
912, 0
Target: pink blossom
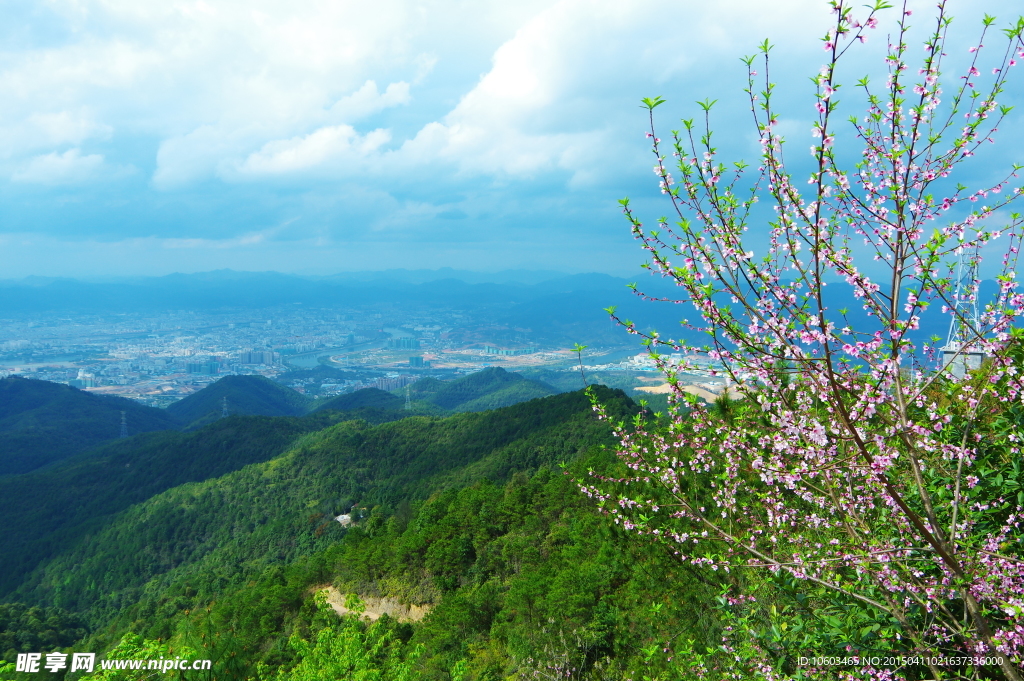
849, 435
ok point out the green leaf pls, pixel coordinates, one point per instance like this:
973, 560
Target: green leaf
650, 103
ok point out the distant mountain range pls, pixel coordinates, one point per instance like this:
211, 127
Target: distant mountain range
393, 275
556, 308
42, 422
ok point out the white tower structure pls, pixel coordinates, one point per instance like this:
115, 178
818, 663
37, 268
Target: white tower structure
960, 355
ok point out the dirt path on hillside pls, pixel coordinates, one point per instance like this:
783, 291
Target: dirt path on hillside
702, 393
375, 607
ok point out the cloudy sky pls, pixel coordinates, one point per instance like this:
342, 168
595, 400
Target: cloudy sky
329, 135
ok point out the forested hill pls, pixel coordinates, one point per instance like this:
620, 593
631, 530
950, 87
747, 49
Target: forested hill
491, 388
49, 511
520, 580
367, 398
250, 395
43, 422
468, 516
275, 512
219, 539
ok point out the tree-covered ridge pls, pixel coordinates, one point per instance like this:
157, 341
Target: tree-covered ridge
367, 398
251, 395
48, 512
25, 629
42, 422
523, 579
274, 512
492, 388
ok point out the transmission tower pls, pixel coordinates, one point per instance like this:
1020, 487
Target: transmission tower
224, 407
124, 424
408, 399
959, 354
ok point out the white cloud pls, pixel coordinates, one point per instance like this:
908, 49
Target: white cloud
233, 88
233, 74
562, 93
65, 127
368, 100
49, 129
328, 146
67, 168
560, 90
244, 240
194, 156
410, 109
233, 153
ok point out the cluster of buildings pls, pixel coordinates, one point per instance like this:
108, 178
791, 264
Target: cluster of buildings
694, 365
161, 357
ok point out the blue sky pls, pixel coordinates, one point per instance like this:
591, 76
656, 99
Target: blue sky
181, 136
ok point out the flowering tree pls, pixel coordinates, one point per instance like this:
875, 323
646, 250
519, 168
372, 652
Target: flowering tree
854, 467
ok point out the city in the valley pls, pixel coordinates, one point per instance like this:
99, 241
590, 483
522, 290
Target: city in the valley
161, 357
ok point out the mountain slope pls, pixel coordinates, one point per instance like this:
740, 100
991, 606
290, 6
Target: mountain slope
377, 406
506, 396
250, 395
48, 511
517, 578
367, 398
43, 422
280, 510
491, 388
488, 389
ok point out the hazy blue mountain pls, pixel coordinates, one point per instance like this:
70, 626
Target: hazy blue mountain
423, 276
251, 395
43, 422
559, 309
